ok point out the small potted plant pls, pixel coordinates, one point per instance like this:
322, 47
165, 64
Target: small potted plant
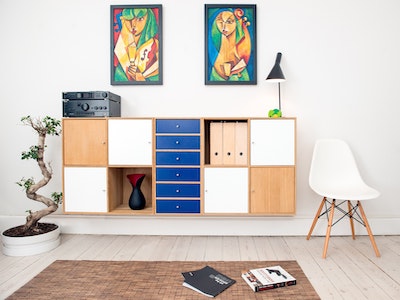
35, 237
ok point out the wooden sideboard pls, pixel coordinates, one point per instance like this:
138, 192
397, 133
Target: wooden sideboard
193, 166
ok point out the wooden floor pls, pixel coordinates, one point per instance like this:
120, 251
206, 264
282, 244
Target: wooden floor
350, 271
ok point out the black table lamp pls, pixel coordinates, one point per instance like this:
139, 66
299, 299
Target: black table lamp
276, 75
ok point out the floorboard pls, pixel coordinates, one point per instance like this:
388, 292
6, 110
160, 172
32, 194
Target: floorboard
180, 248
197, 249
309, 263
230, 248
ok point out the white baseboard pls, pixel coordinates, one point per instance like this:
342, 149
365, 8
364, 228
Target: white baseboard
186, 225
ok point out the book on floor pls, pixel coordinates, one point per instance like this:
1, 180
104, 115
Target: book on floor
207, 281
262, 279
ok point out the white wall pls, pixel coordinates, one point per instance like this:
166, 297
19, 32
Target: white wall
340, 58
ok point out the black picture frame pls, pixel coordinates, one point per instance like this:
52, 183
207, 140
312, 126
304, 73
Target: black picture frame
236, 65
136, 59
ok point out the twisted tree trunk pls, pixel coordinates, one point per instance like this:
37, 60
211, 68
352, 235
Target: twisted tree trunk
47, 172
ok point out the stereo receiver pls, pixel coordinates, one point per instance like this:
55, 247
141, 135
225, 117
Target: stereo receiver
91, 104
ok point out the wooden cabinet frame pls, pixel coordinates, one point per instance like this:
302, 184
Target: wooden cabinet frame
271, 184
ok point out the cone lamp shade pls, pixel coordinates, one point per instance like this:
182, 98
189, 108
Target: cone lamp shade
276, 74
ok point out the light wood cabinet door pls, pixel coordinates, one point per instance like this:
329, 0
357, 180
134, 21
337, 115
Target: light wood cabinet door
272, 190
226, 190
85, 142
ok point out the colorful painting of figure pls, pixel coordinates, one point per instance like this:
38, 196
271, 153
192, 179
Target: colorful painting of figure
230, 44
136, 44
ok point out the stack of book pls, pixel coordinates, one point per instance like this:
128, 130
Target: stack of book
267, 278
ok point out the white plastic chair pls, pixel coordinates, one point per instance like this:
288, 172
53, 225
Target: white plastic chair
334, 175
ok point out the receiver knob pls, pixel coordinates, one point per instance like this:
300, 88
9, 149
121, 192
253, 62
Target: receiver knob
85, 106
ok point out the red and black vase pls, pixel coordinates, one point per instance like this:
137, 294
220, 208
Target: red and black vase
136, 199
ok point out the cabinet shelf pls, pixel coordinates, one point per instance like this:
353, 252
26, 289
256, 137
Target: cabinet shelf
124, 209
120, 189
224, 165
226, 142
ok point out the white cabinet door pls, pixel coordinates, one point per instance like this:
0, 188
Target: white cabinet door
272, 142
226, 190
85, 189
130, 142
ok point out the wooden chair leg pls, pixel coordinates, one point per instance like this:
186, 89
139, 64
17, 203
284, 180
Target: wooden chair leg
328, 230
371, 236
316, 218
351, 219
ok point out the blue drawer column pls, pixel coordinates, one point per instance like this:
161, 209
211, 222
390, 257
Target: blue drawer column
178, 166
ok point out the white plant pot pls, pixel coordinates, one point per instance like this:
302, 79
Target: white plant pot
31, 245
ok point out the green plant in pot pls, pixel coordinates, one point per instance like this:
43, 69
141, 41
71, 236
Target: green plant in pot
43, 127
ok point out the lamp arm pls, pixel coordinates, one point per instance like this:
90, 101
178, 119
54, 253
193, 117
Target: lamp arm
279, 93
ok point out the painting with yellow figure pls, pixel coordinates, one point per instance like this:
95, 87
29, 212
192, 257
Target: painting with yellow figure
230, 44
136, 44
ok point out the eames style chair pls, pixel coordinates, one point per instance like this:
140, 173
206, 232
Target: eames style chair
334, 175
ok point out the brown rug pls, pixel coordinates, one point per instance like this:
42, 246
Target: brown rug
147, 280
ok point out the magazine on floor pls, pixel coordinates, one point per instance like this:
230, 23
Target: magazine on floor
267, 278
207, 281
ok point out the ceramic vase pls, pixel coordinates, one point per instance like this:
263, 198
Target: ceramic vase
136, 199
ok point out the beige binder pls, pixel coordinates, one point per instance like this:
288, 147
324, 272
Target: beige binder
241, 143
228, 143
216, 143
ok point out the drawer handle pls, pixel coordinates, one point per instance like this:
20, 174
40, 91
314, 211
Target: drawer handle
177, 191
177, 175
177, 126
177, 142
229, 153
216, 153
178, 158
177, 207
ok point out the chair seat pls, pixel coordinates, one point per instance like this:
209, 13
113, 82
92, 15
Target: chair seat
349, 192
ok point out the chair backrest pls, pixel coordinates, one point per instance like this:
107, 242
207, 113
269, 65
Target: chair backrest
334, 170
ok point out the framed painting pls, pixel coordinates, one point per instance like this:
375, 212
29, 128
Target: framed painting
136, 45
230, 44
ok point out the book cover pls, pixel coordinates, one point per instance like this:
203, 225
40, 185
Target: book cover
262, 279
207, 281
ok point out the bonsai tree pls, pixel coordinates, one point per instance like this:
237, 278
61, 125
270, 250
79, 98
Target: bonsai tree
43, 127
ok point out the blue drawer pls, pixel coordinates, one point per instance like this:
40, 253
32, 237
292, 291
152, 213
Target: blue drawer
177, 190
177, 126
177, 174
178, 158
178, 142
177, 206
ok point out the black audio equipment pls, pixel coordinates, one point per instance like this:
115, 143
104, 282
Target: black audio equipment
91, 104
